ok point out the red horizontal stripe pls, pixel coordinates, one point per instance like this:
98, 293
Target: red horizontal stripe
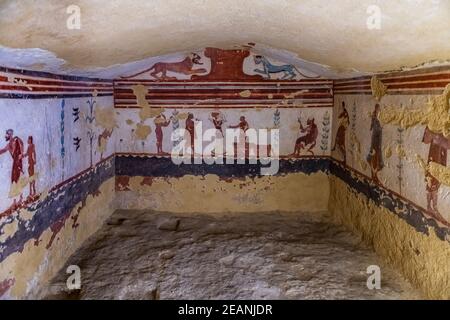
390, 87
222, 96
226, 91
415, 72
265, 106
50, 89
424, 78
261, 101
225, 82
49, 75
395, 92
64, 83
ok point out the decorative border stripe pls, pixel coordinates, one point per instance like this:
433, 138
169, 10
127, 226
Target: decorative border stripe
151, 166
49, 96
22, 84
49, 75
412, 213
429, 80
226, 94
56, 207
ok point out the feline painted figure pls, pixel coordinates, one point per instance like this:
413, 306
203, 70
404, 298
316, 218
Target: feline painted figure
288, 70
159, 70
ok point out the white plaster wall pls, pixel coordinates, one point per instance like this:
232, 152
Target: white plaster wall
40, 118
126, 140
413, 186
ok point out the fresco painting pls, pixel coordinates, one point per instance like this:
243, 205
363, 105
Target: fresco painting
160, 69
15, 148
406, 145
160, 122
222, 65
308, 136
287, 71
375, 155
356, 130
37, 166
340, 140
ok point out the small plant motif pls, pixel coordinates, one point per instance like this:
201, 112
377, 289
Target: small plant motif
325, 132
90, 120
61, 129
76, 114
175, 126
353, 132
76, 143
276, 118
400, 159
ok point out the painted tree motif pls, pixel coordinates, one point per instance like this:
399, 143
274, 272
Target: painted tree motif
62, 131
400, 159
90, 120
353, 134
175, 126
276, 119
325, 132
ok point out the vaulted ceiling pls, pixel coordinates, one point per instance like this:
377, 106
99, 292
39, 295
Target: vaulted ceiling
331, 36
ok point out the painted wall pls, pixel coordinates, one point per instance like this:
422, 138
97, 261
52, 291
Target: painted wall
56, 169
144, 182
219, 89
67, 143
378, 189
395, 157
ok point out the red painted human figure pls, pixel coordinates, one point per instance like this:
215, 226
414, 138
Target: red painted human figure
190, 128
243, 125
160, 122
309, 137
15, 148
31, 155
375, 156
339, 142
217, 120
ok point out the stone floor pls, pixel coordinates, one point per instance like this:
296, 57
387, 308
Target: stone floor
148, 255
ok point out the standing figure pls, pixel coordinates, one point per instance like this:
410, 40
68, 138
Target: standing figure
339, 142
437, 153
308, 137
375, 156
15, 148
31, 155
243, 126
160, 122
190, 127
217, 120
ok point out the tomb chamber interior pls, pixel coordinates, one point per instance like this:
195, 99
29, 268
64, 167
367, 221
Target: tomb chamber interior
225, 149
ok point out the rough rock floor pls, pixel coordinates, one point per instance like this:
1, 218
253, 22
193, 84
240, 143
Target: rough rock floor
148, 255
